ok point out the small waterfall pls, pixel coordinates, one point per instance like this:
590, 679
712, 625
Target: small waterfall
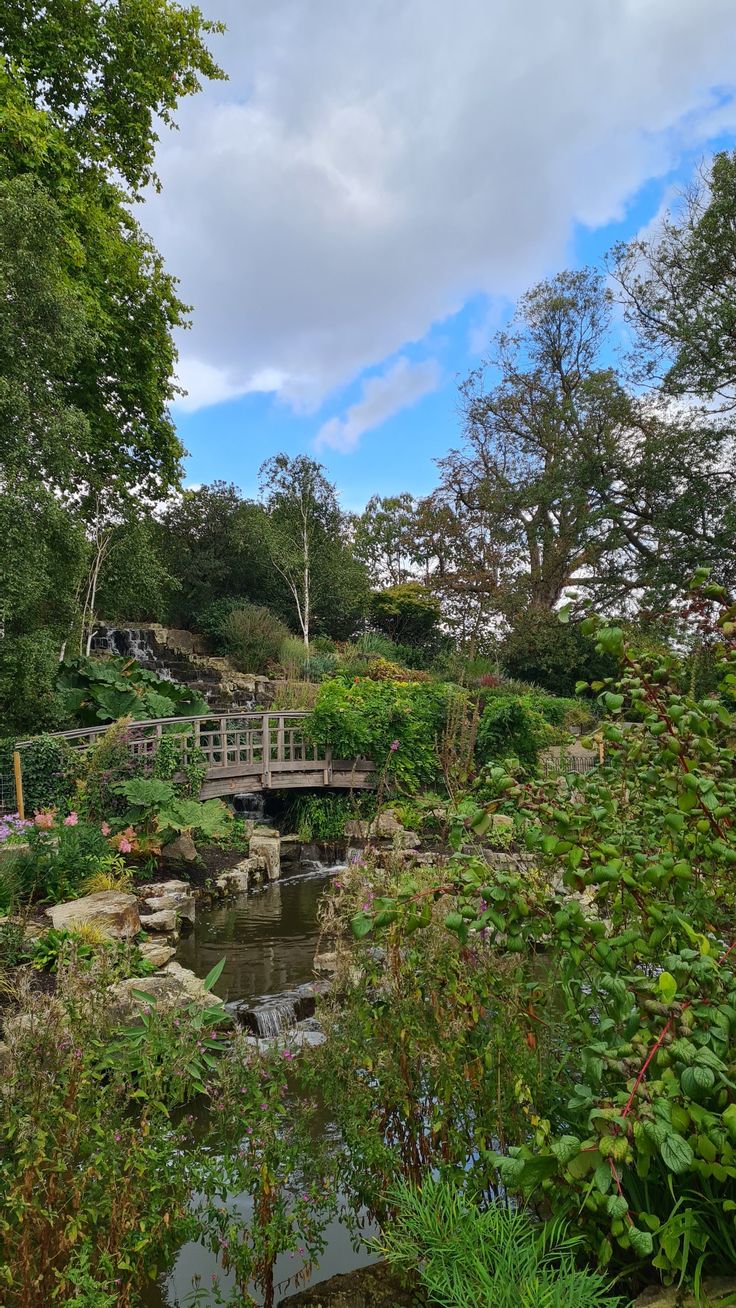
272, 1018
250, 805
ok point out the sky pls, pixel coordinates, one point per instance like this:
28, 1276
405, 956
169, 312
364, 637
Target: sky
354, 212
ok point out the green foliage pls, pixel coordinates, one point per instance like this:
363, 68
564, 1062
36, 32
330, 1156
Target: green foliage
552, 654
395, 724
409, 614
253, 637
322, 817
49, 767
102, 690
60, 860
176, 755
520, 726
80, 948
469, 1256
155, 805
635, 1149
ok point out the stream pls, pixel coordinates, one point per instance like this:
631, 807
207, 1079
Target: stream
268, 938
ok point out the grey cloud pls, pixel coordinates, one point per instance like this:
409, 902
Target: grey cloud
369, 167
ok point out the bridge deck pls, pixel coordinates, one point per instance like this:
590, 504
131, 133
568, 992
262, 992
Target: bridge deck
244, 752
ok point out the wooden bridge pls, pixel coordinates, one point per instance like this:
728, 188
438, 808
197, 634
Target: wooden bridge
244, 752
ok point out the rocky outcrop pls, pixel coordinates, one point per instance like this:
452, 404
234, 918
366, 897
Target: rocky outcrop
112, 913
265, 843
183, 656
238, 879
368, 1287
168, 896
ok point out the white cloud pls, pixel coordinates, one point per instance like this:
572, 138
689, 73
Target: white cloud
381, 397
370, 167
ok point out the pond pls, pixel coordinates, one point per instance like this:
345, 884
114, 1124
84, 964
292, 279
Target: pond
268, 939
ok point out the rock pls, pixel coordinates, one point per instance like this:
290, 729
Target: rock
716, 1294
111, 912
165, 920
367, 1287
156, 952
172, 988
181, 850
326, 962
291, 849
183, 902
237, 879
387, 827
267, 843
356, 830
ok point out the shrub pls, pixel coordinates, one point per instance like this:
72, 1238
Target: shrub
253, 637
396, 724
294, 657
511, 727
295, 696
99, 690
553, 654
322, 817
48, 768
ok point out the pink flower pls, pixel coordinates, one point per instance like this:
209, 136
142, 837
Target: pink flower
394, 746
72, 820
124, 846
44, 821
105, 828
287, 1053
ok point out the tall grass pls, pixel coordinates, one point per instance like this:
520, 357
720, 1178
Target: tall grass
490, 1258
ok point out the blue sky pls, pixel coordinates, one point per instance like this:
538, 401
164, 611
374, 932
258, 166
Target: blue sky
356, 210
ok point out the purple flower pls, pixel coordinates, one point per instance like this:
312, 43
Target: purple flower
394, 746
286, 1053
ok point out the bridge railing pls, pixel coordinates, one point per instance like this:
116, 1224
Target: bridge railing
258, 747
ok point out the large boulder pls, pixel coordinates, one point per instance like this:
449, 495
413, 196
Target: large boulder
111, 912
265, 843
164, 920
180, 850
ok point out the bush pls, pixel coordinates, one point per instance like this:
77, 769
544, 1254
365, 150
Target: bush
253, 636
553, 654
321, 817
396, 724
48, 767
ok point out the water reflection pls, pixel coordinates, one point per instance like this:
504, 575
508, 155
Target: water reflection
269, 939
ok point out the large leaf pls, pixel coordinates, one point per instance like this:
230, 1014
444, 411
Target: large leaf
147, 792
676, 1153
112, 703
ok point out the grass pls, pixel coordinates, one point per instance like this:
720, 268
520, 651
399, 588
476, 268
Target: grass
469, 1257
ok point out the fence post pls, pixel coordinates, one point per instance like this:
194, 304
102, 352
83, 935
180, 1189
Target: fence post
18, 779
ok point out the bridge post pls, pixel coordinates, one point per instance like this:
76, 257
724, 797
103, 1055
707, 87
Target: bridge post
266, 751
327, 774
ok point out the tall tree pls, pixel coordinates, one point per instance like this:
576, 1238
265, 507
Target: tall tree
385, 538
82, 88
573, 477
308, 543
678, 286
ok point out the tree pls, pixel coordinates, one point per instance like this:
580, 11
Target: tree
85, 388
552, 654
42, 562
678, 288
306, 536
409, 614
572, 478
214, 545
385, 538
